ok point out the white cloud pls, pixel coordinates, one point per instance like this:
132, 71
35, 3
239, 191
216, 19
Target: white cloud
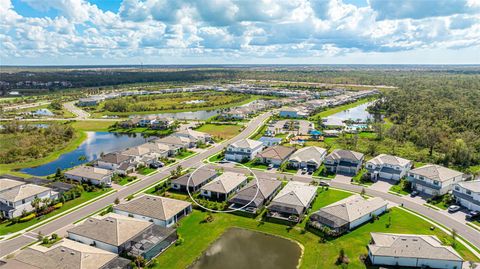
235, 28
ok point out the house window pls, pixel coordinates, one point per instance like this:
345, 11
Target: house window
469, 192
457, 188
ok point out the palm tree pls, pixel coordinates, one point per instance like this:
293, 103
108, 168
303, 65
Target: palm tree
35, 203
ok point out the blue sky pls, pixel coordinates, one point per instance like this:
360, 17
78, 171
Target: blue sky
56, 32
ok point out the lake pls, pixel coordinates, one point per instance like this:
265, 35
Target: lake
358, 113
239, 249
91, 148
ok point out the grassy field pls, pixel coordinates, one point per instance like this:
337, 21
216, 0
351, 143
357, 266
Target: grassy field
7, 227
184, 154
337, 109
9, 168
92, 126
171, 103
198, 236
222, 131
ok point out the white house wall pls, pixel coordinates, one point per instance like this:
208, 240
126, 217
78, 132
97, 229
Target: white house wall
98, 244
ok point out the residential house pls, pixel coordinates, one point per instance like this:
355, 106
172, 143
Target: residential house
194, 181
147, 153
16, 197
270, 141
293, 112
123, 235
94, 175
432, 179
243, 150
307, 157
275, 155
347, 213
146, 121
386, 166
130, 123
223, 186
162, 123
89, 101
255, 194
412, 251
117, 162
159, 210
293, 200
176, 141
467, 194
344, 161
66, 254
195, 137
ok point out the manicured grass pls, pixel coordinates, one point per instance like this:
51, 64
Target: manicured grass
7, 227
222, 131
400, 188
254, 164
216, 158
324, 198
98, 126
198, 236
358, 178
259, 133
439, 203
146, 170
184, 154
337, 109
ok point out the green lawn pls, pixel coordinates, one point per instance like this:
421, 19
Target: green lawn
146, 170
216, 158
92, 126
222, 131
324, 198
259, 133
400, 188
358, 178
253, 164
184, 154
198, 236
7, 227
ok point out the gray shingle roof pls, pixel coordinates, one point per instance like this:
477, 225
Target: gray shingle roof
308, 154
339, 154
247, 193
473, 186
198, 177
389, 159
156, 207
225, 183
89, 172
112, 228
276, 152
246, 143
114, 157
22, 192
411, 246
436, 172
295, 194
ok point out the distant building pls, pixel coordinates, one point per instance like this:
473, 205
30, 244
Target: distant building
117, 162
432, 179
293, 113
270, 141
412, 251
43, 113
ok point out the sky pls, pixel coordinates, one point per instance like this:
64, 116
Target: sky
105, 32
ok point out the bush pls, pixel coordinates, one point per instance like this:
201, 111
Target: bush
57, 206
27, 218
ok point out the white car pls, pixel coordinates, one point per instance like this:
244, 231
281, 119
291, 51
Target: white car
453, 208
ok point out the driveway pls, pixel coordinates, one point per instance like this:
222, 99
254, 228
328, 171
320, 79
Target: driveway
382, 185
342, 179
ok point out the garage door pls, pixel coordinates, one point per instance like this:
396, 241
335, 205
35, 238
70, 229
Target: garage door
385, 175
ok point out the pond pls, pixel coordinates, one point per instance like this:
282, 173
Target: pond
358, 113
239, 249
91, 148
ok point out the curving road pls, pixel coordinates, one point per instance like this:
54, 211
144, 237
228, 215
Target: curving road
11, 245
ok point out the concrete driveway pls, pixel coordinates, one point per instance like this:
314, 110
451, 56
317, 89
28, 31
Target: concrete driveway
342, 179
382, 185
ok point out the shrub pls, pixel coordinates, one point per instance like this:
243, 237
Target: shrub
27, 218
57, 206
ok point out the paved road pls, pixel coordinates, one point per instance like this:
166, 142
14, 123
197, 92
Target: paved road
81, 114
23, 106
14, 244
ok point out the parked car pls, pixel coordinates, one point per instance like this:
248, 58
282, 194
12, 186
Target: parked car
453, 208
304, 170
157, 165
270, 166
323, 183
473, 215
413, 193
